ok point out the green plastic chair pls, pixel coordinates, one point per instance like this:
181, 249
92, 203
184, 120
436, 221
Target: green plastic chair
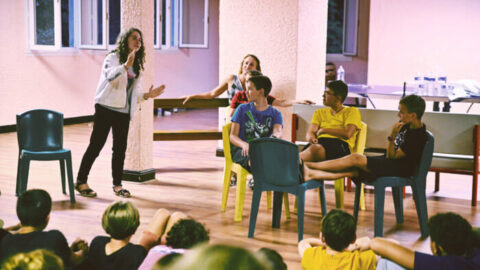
275, 167
40, 137
417, 182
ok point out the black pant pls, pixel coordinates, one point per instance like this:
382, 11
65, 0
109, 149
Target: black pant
103, 120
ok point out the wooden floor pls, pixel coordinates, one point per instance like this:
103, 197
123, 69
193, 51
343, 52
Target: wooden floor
189, 179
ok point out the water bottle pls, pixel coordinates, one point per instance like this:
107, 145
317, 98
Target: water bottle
341, 74
429, 85
419, 85
442, 85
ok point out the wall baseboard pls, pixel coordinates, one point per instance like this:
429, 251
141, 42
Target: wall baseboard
66, 121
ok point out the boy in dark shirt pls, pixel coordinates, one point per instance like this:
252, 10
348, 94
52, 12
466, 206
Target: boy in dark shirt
404, 151
33, 210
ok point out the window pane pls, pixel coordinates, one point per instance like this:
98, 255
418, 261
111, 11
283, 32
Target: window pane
67, 23
193, 19
335, 26
91, 22
44, 22
155, 22
351, 23
164, 21
113, 20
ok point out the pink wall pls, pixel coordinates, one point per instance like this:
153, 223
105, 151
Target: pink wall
412, 36
66, 80
356, 69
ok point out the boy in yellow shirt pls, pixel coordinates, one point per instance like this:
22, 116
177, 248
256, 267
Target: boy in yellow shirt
333, 130
337, 247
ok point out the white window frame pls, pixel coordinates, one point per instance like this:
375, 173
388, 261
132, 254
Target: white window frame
347, 55
57, 27
78, 27
206, 22
171, 21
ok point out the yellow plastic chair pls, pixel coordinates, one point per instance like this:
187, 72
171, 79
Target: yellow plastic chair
230, 167
340, 182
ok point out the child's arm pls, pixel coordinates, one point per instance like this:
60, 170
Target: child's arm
311, 136
394, 252
289, 102
308, 243
344, 133
222, 87
277, 131
391, 152
235, 140
79, 250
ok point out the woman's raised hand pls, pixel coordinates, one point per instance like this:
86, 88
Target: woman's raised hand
131, 58
155, 92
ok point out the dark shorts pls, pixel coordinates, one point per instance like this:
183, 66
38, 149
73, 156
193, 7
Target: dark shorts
237, 157
334, 148
382, 166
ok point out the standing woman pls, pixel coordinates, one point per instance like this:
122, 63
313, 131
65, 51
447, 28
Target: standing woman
233, 83
118, 92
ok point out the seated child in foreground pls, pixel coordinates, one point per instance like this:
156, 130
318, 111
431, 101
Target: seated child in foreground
334, 250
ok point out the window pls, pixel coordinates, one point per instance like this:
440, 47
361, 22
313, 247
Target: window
342, 27
181, 23
73, 23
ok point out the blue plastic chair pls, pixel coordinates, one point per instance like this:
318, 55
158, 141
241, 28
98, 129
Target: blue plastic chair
40, 137
417, 182
274, 164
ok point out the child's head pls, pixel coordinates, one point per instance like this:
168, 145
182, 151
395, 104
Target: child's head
39, 259
252, 73
120, 220
249, 62
186, 233
273, 257
409, 106
450, 234
257, 84
337, 94
33, 208
338, 229
167, 260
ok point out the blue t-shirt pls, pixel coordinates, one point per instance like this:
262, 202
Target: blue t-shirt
256, 124
447, 262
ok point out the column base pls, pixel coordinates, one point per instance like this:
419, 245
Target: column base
138, 176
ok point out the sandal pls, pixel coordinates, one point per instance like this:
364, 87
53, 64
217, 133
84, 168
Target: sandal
121, 192
87, 192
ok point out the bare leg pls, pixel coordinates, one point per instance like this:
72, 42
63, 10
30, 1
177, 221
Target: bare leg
313, 153
151, 236
309, 174
174, 218
340, 164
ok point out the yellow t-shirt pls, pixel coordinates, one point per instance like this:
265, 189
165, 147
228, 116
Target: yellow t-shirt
323, 118
318, 258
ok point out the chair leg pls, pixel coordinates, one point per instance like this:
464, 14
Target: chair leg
295, 208
227, 174
257, 194
362, 197
241, 183
420, 199
24, 175
277, 209
70, 178
339, 186
398, 203
269, 199
62, 173
301, 214
437, 181
379, 211
19, 178
356, 201
323, 202
287, 205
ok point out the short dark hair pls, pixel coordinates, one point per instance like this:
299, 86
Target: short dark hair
414, 104
254, 72
262, 82
451, 232
273, 257
33, 207
329, 64
338, 229
339, 89
186, 233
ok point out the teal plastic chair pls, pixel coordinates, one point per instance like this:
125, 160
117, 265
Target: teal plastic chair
274, 164
40, 137
417, 182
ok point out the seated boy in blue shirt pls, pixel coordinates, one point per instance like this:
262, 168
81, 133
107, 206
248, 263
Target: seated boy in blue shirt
254, 120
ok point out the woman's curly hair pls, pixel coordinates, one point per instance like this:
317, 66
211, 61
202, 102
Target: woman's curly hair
122, 50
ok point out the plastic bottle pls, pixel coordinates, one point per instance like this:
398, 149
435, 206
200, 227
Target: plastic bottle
419, 84
442, 85
341, 74
429, 85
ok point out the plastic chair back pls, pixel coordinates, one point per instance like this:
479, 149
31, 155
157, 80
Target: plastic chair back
274, 161
40, 130
226, 141
420, 177
361, 139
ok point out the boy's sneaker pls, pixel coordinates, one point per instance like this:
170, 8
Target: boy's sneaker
251, 183
233, 181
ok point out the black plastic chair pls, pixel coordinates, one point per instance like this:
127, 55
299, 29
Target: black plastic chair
274, 164
417, 182
40, 137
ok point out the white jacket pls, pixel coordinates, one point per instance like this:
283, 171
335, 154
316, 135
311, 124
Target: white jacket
112, 85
